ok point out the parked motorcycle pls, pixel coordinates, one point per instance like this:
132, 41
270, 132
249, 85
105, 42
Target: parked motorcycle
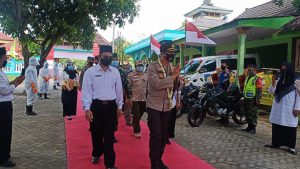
219, 103
189, 97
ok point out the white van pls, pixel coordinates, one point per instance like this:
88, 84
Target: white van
198, 70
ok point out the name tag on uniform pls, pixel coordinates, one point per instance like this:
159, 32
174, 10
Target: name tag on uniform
97, 75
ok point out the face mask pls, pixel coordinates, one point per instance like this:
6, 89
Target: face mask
70, 68
140, 69
115, 64
283, 72
223, 67
106, 61
46, 66
251, 72
170, 57
4, 63
91, 63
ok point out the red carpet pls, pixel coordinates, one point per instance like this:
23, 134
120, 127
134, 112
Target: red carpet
131, 153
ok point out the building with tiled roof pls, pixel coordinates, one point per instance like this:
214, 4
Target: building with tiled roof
5, 39
269, 9
208, 15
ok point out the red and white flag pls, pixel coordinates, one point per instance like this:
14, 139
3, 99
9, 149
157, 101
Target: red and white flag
194, 36
155, 46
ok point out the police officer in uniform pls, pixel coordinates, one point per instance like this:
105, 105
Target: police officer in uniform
127, 91
161, 78
6, 115
252, 96
138, 81
90, 63
102, 98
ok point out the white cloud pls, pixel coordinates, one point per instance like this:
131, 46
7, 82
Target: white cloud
157, 15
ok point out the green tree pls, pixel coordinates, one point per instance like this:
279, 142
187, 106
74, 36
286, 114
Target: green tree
296, 3
120, 45
45, 22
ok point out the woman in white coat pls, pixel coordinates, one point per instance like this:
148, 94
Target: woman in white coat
31, 85
285, 110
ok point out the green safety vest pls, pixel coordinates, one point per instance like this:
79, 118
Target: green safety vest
250, 87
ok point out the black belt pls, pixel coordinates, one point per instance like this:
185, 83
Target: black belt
104, 102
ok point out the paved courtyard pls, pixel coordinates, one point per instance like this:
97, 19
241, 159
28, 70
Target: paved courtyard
39, 142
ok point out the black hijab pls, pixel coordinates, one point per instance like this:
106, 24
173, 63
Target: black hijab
286, 82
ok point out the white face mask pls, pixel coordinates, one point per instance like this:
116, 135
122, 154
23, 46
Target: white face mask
140, 69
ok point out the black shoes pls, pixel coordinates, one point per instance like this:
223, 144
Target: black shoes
40, 96
29, 111
95, 160
8, 164
163, 165
46, 96
250, 129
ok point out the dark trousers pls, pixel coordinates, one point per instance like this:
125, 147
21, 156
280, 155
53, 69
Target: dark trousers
103, 129
6, 116
172, 123
158, 123
138, 109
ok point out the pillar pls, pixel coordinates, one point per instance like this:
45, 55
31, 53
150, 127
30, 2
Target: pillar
241, 49
182, 51
204, 51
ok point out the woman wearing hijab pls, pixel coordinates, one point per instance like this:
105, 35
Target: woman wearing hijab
285, 110
69, 91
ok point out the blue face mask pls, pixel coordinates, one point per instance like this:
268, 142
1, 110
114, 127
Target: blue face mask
115, 64
140, 69
70, 67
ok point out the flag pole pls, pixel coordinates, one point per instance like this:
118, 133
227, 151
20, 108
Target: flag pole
184, 51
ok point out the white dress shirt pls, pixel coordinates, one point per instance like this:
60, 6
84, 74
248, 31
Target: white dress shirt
282, 112
101, 85
6, 90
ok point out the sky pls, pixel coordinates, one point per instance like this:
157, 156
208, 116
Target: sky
157, 15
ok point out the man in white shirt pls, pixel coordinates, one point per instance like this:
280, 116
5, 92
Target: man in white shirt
6, 96
102, 98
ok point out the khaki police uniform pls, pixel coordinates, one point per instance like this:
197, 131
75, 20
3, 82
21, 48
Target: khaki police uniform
139, 83
158, 108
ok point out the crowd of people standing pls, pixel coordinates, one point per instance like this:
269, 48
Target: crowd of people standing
110, 90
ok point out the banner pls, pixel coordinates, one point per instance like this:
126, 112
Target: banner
266, 76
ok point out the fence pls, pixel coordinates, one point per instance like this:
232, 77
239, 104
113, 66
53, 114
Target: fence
14, 67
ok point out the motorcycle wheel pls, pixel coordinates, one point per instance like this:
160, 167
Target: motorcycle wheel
196, 116
239, 116
239, 119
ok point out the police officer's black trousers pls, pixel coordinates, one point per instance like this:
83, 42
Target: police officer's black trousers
158, 123
172, 122
6, 115
103, 129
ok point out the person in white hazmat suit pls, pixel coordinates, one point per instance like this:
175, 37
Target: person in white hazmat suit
55, 75
44, 78
31, 82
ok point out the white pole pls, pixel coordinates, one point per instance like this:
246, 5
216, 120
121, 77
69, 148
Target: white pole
113, 41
